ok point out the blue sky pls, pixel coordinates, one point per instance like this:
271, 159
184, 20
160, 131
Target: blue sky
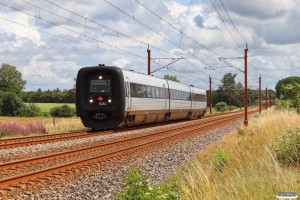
49, 41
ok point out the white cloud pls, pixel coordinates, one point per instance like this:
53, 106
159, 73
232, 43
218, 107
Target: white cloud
19, 31
176, 9
270, 28
122, 62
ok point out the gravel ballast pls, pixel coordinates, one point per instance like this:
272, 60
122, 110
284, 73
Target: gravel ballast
106, 179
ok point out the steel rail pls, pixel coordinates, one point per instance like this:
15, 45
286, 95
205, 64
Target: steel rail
48, 171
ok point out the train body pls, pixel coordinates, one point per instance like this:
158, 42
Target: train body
109, 97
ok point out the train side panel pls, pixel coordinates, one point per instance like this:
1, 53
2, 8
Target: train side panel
148, 100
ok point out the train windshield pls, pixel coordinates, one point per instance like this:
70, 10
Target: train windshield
102, 85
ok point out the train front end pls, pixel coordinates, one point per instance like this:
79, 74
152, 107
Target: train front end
100, 97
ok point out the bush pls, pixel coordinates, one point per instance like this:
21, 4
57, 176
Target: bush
220, 158
221, 106
281, 104
62, 111
287, 148
10, 104
30, 110
139, 187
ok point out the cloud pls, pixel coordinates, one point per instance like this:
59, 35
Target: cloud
176, 9
52, 60
122, 62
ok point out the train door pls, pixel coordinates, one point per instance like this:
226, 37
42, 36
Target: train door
128, 95
193, 99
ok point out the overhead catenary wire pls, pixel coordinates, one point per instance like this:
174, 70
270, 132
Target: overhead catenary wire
117, 32
179, 31
196, 66
58, 36
232, 22
238, 45
108, 28
149, 28
68, 29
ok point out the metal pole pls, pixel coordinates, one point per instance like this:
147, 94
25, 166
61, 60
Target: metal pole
241, 100
259, 94
229, 99
246, 88
149, 59
270, 99
266, 98
210, 96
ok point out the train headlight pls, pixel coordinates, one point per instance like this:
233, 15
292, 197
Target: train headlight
91, 100
100, 77
109, 100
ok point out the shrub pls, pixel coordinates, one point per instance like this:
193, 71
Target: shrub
140, 187
62, 111
240, 131
7, 129
281, 104
220, 158
287, 148
10, 104
221, 106
30, 110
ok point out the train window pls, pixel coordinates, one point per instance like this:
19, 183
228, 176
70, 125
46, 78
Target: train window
139, 90
126, 89
153, 92
157, 91
133, 89
171, 94
144, 90
149, 95
102, 85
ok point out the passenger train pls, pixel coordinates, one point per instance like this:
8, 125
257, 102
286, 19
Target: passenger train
110, 97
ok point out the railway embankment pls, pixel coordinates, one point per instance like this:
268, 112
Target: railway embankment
254, 162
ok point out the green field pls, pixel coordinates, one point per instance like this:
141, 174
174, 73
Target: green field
46, 107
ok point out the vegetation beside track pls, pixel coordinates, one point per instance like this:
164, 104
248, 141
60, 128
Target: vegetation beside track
243, 165
46, 107
51, 125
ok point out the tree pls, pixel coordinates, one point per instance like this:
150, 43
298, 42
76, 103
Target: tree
10, 104
289, 80
11, 79
171, 78
229, 86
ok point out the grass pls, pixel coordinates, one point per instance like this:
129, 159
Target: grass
52, 125
214, 111
251, 170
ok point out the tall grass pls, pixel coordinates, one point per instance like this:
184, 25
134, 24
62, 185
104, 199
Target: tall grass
50, 125
252, 171
8, 129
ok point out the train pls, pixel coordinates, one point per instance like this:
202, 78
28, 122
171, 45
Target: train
109, 97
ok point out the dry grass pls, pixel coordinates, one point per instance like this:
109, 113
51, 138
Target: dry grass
59, 125
252, 172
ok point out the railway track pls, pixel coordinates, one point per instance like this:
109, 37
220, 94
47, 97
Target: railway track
50, 166
42, 139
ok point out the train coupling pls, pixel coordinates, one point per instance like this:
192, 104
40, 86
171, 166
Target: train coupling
100, 116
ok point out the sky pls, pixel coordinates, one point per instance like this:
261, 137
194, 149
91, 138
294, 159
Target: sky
50, 40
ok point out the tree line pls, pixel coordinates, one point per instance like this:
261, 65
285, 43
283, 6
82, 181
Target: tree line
12, 96
48, 96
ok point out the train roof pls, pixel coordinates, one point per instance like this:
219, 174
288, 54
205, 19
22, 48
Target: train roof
139, 78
